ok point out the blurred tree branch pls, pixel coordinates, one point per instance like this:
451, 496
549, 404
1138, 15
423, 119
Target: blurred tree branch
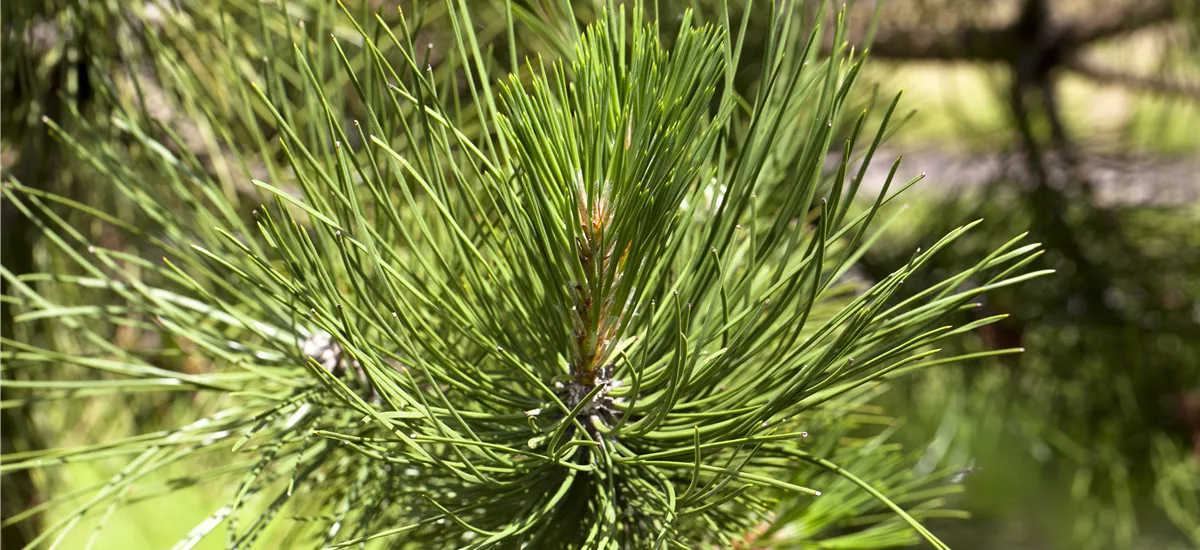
1008, 42
1142, 83
1037, 41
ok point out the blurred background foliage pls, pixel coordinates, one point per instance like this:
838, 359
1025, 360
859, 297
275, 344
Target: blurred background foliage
1073, 119
1076, 120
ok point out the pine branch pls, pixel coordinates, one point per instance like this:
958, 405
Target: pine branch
602, 305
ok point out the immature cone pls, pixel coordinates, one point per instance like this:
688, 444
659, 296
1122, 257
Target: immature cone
321, 346
327, 352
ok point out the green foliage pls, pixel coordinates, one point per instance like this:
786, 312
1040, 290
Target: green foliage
1096, 409
601, 306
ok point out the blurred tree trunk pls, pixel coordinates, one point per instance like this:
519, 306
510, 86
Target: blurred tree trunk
16, 430
37, 166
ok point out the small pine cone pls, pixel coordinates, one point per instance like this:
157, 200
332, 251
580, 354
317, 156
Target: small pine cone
321, 346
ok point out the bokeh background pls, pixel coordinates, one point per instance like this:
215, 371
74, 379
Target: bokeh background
1075, 120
